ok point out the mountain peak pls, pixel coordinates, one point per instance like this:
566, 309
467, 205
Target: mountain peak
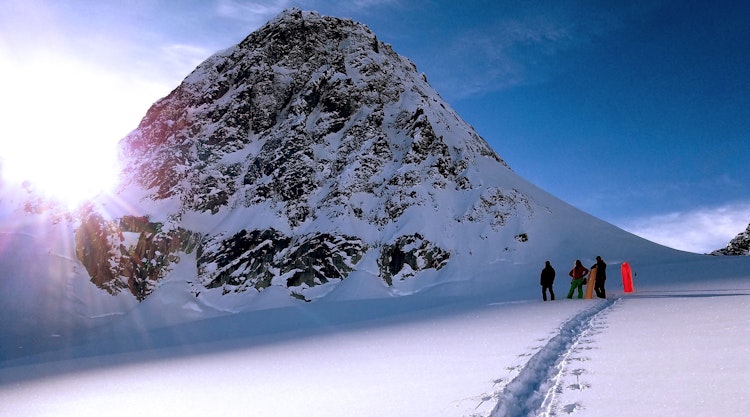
302, 82
309, 153
326, 142
295, 26
296, 16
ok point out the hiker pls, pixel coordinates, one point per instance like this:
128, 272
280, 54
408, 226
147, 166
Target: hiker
601, 276
546, 281
577, 274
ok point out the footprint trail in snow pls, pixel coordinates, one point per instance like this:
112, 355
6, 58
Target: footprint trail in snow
531, 391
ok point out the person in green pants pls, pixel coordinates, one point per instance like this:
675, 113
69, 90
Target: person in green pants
578, 273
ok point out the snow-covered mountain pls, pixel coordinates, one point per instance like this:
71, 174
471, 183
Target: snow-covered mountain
739, 245
309, 154
310, 161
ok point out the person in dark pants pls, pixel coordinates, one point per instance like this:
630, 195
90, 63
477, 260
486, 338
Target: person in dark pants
546, 281
601, 276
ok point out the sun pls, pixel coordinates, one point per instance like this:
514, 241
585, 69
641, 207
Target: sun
63, 120
69, 172
55, 138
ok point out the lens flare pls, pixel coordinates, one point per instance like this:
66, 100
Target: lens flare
62, 122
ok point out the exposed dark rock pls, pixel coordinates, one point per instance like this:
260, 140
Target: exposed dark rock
134, 254
739, 246
522, 237
97, 244
254, 259
412, 251
322, 258
497, 206
244, 260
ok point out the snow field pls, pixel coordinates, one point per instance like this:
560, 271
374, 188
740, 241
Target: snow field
446, 366
531, 388
664, 353
681, 351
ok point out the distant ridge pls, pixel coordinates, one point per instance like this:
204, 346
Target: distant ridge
738, 246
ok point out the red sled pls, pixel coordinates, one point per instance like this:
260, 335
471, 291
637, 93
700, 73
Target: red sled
627, 277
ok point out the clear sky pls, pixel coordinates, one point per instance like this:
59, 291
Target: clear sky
637, 112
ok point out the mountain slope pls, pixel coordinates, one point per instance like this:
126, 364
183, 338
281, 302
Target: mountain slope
312, 152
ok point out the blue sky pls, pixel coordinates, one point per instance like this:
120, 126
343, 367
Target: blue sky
637, 112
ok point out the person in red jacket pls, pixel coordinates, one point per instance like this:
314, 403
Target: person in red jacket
578, 273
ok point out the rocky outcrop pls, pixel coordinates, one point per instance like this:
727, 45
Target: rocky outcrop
257, 259
97, 245
410, 255
132, 254
244, 260
496, 206
739, 246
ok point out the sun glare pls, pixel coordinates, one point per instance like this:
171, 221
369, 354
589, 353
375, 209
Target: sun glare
62, 123
70, 173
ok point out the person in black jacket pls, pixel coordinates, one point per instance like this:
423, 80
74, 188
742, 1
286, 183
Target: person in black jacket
547, 279
601, 276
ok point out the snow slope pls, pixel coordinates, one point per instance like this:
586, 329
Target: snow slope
681, 351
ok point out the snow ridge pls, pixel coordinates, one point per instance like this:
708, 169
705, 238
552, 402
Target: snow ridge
532, 389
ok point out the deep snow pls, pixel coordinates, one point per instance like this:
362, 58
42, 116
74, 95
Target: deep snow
679, 352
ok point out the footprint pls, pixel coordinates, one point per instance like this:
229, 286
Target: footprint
572, 408
579, 386
578, 372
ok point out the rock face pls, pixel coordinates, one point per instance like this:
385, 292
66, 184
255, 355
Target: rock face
260, 258
306, 152
739, 246
409, 255
132, 254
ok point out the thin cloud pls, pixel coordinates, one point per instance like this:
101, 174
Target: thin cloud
702, 231
258, 12
506, 53
178, 60
523, 46
366, 4
254, 12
